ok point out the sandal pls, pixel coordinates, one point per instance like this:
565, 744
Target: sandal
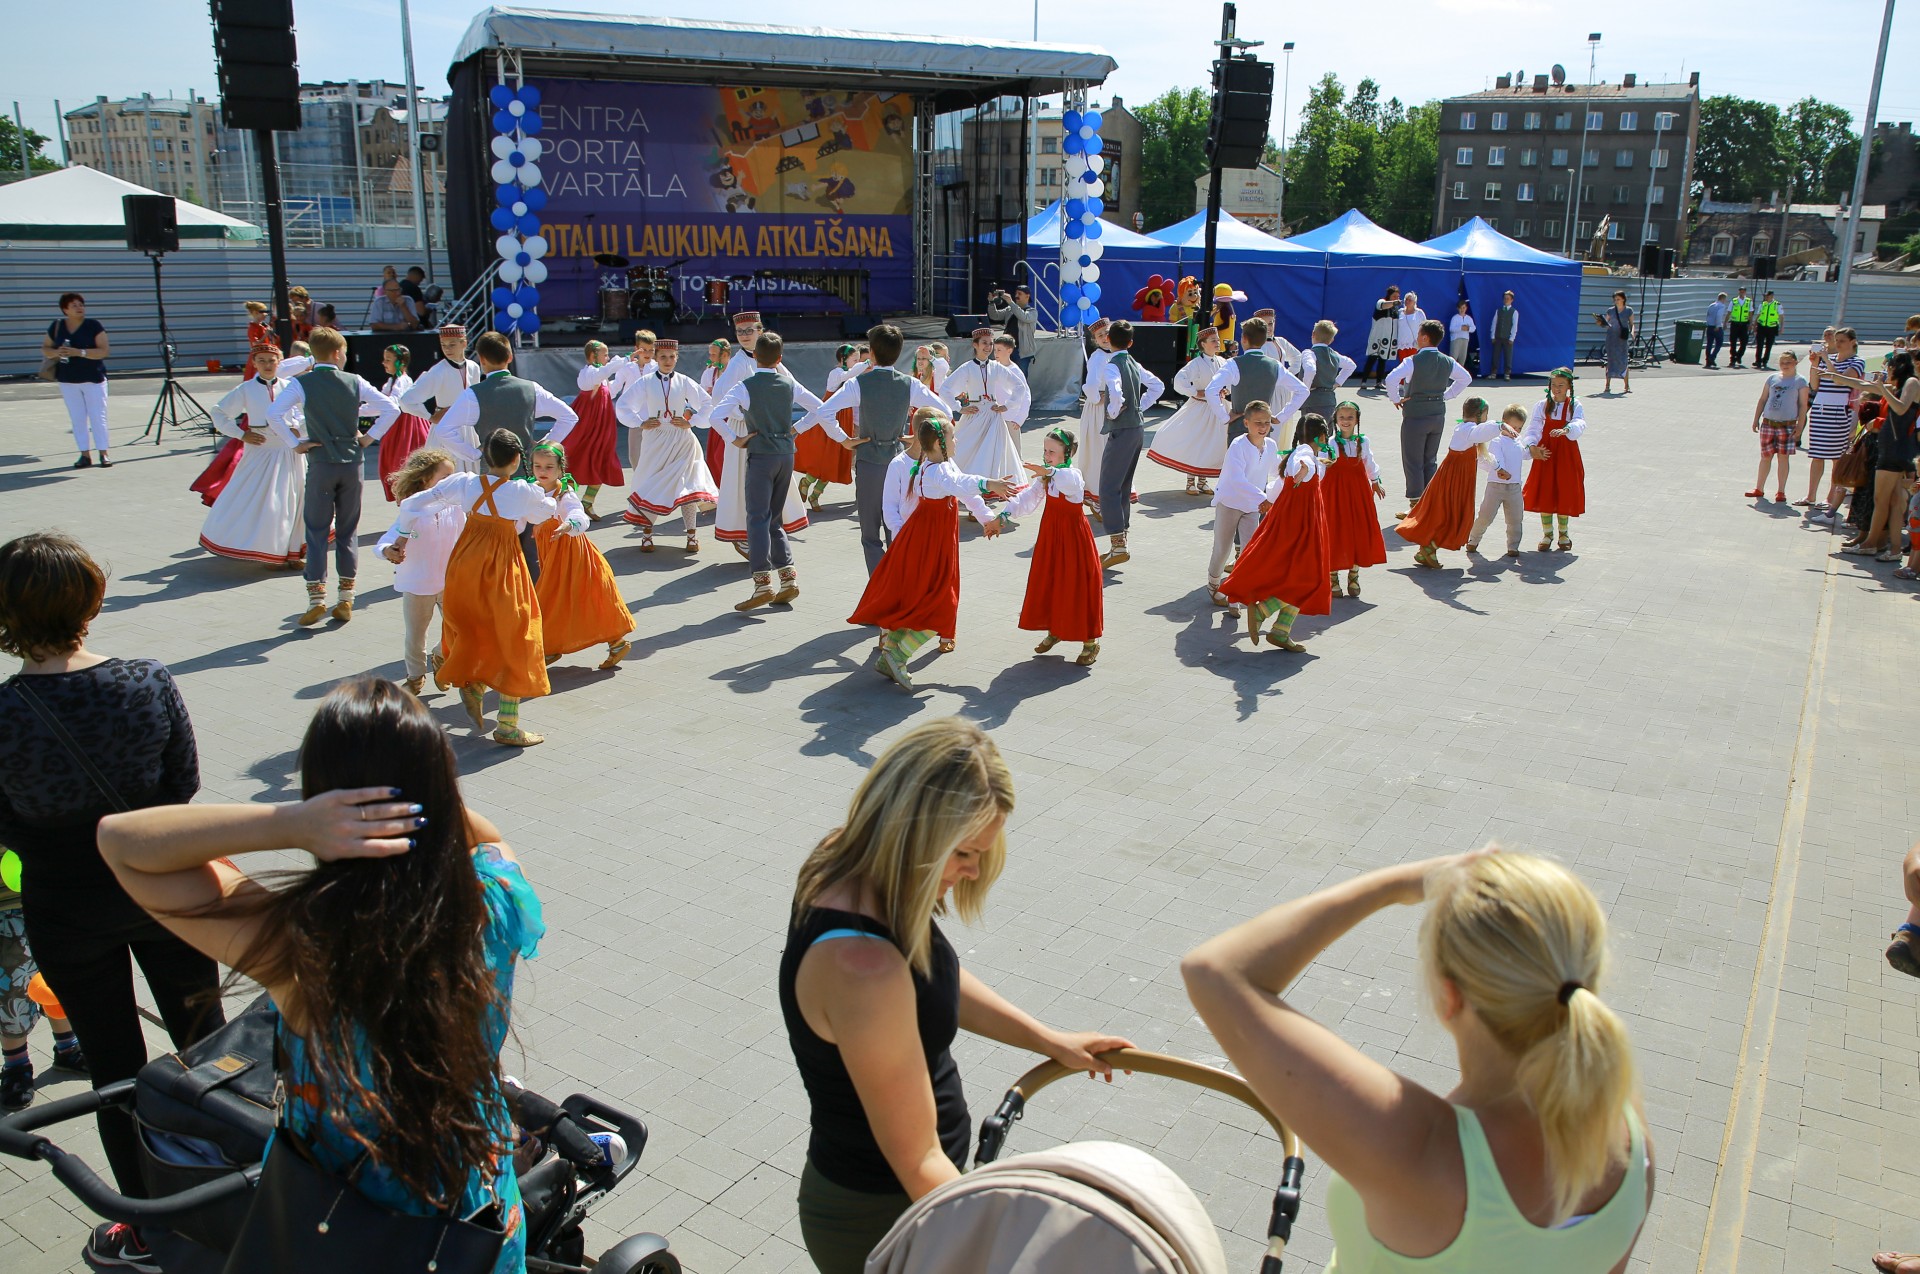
1190, 487
518, 738
1904, 953
1905, 572
1048, 644
1543, 546
1888, 556
693, 542
1089, 652
646, 540
946, 645
1756, 494
615, 653
1566, 545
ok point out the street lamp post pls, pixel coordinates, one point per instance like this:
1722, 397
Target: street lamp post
1579, 172
1860, 170
1286, 83
1653, 172
420, 240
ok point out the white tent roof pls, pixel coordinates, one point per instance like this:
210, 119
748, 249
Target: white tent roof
700, 46
80, 203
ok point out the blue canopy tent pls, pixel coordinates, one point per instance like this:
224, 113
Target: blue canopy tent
1127, 261
1362, 261
1274, 273
1545, 287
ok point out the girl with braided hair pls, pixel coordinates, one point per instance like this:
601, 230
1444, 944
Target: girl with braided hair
1557, 483
580, 604
1353, 516
1064, 582
406, 433
914, 593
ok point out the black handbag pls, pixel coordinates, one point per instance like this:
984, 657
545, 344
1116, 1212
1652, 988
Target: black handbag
306, 1219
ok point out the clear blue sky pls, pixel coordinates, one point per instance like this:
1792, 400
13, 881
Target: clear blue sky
1416, 49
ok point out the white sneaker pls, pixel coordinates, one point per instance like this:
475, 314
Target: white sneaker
612, 1145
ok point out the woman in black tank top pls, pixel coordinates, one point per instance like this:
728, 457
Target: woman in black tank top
873, 993
1896, 453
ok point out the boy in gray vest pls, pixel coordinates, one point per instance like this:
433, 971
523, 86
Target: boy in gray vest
761, 405
1323, 369
882, 400
1506, 330
328, 403
1130, 390
1254, 377
1420, 387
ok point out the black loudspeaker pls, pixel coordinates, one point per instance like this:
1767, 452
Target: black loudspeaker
1160, 348
153, 223
1242, 104
1763, 267
253, 47
1649, 260
1668, 260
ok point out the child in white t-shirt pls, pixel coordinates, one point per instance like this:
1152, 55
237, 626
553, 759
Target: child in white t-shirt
1460, 330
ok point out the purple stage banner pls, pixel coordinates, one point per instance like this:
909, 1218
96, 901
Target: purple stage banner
706, 182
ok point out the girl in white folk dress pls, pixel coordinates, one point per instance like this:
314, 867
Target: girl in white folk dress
1193, 440
257, 517
670, 474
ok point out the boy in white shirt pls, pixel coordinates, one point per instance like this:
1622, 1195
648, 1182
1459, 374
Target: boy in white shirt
1504, 461
1253, 460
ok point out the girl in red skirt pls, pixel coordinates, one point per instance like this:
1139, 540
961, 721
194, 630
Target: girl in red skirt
1557, 484
1444, 517
1064, 582
1353, 519
818, 459
580, 604
915, 591
593, 444
719, 351
1283, 570
406, 433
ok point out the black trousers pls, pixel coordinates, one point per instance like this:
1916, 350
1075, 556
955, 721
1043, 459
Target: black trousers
1737, 343
1763, 340
82, 944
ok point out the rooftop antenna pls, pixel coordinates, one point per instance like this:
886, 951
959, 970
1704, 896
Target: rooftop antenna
1559, 74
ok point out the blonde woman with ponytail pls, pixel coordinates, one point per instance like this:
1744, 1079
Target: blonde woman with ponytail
873, 993
1538, 1159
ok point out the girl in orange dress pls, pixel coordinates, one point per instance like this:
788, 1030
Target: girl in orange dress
914, 593
817, 458
1064, 583
1353, 519
1444, 517
489, 612
580, 603
405, 433
593, 442
1557, 483
1283, 569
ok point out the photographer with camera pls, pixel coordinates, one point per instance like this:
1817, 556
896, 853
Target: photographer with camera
1017, 315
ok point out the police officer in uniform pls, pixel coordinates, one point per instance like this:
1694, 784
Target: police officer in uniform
1766, 331
1739, 315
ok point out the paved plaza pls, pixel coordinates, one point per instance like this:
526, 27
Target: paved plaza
1701, 709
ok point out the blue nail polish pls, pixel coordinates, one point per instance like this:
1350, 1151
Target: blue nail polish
393, 791
420, 822
416, 809
410, 844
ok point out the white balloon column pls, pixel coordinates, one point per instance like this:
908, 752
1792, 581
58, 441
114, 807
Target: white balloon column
1080, 223
518, 199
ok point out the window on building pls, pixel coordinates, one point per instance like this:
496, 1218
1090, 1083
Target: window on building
1459, 190
1613, 230
1530, 121
1860, 245
1657, 159
1529, 159
1493, 190
1623, 159
1049, 145
1556, 193
1496, 156
1493, 223
1798, 243
1523, 191
1550, 230
159, 144
1557, 158
1629, 120
1522, 228
1663, 119
1583, 229
1467, 120
1457, 223
1650, 235
1657, 195
1622, 194
1464, 156
1596, 120
1590, 159
1762, 244
1563, 121
1498, 122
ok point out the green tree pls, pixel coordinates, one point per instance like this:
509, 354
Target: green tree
1322, 159
1817, 133
1173, 153
10, 149
1408, 168
1742, 148
1362, 125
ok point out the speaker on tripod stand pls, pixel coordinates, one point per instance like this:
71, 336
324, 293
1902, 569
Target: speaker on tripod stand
153, 227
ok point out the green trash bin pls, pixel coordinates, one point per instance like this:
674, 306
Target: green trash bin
1689, 339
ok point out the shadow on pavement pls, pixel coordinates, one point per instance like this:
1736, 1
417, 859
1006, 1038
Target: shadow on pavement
1214, 639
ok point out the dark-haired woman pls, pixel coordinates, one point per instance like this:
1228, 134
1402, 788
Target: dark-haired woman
1899, 444
126, 718
80, 344
391, 960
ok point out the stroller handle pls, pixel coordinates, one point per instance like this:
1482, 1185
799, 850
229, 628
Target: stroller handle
1168, 1067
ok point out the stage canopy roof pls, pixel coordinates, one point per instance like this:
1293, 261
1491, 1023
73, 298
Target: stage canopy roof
953, 71
1545, 287
79, 204
1478, 242
1234, 236
1353, 235
1043, 231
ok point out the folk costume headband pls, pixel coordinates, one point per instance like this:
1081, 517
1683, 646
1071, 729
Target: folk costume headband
1068, 443
559, 454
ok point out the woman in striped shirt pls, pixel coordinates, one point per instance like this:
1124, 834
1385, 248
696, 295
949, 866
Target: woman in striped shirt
1830, 414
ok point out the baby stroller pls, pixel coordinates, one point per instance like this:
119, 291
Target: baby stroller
204, 1115
1090, 1205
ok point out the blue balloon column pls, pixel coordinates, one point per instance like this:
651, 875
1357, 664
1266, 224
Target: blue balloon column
1080, 223
518, 199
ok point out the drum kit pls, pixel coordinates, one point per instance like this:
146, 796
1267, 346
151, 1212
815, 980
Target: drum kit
632, 291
